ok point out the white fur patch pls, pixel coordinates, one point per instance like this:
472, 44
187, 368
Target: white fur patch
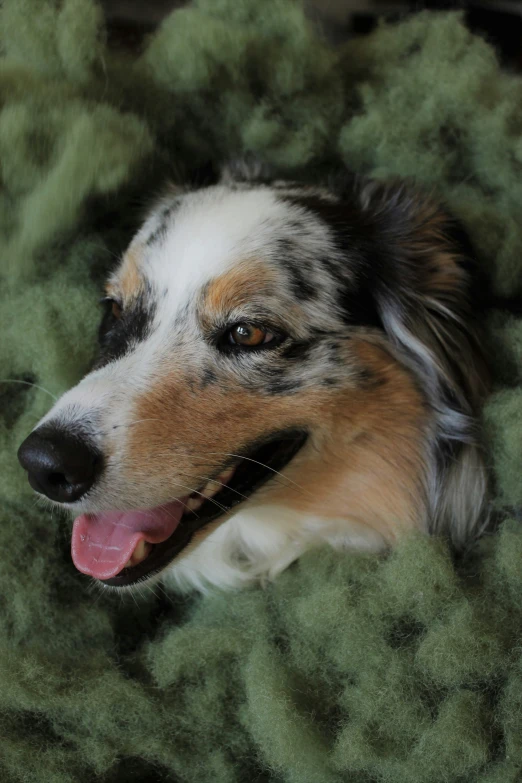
258, 543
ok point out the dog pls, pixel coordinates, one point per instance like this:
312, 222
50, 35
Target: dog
281, 365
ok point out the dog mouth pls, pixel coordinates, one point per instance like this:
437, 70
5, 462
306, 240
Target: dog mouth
123, 548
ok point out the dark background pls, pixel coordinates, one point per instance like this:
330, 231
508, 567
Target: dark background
500, 21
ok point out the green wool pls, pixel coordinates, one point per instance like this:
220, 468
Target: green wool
398, 669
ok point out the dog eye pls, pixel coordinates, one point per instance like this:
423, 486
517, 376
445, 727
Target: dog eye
116, 309
249, 336
112, 307
112, 312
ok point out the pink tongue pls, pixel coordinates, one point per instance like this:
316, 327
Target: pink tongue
102, 543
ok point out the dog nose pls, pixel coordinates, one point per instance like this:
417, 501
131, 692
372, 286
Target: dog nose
59, 465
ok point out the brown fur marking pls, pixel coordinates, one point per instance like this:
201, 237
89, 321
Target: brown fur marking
364, 460
129, 281
247, 283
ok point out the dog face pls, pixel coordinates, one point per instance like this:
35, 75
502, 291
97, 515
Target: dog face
279, 365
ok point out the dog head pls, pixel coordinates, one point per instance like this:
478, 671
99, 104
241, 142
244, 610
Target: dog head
279, 364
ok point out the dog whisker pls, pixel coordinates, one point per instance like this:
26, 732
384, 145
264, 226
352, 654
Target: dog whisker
276, 478
28, 383
107, 250
133, 423
195, 492
214, 481
216, 453
263, 465
164, 507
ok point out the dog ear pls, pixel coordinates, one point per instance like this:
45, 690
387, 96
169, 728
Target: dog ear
422, 281
421, 284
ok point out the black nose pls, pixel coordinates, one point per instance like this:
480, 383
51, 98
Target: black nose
59, 465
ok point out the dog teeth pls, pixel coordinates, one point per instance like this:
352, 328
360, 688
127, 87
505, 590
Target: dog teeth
213, 486
210, 489
193, 504
227, 475
140, 553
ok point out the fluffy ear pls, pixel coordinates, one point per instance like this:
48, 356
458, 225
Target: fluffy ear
422, 285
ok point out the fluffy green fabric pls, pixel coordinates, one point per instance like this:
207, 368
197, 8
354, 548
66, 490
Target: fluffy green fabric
404, 670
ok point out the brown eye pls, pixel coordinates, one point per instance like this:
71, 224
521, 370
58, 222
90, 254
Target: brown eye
249, 335
116, 308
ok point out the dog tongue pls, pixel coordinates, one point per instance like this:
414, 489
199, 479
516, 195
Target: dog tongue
102, 543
